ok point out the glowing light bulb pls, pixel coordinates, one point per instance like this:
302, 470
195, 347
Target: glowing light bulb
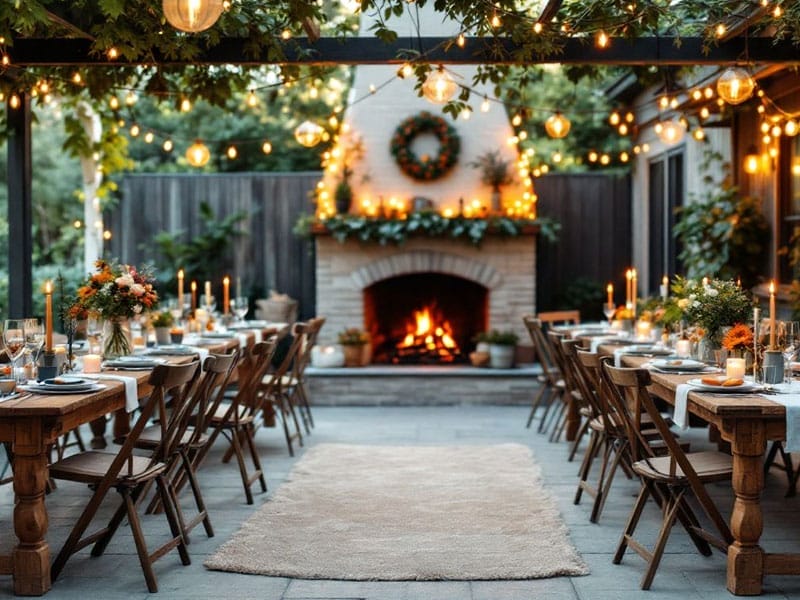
112, 53
614, 118
461, 40
537, 27
148, 137
735, 86
113, 103
439, 86
168, 146
791, 128
496, 21
557, 125
198, 154
192, 16
186, 105
485, 106
266, 148
252, 99
602, 40
135, 130
232, 152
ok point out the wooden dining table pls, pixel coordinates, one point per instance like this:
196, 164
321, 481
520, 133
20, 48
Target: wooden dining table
747, 422
31, 425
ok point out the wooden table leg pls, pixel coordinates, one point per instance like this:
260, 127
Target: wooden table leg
31, 556
745, 556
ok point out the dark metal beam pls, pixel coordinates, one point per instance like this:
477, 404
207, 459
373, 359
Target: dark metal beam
640, 51
20, 221
550, 10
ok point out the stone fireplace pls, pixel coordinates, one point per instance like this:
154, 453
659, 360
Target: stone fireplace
378, 288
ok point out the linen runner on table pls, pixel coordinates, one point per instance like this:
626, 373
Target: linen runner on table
792, 404
131, 387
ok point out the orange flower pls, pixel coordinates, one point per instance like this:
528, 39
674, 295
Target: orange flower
739, 337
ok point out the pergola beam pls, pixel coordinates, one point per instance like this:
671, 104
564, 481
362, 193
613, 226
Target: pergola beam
362, 50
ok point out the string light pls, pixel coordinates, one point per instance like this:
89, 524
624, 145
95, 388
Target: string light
14, 101
721, 30
232, 152
76, 78
537, 27
496, 21
699, 134
252, 99
112, 53
735, 86
614, 118
461, 40
198, 154
135, 130
670, 131
601, 40
149, 137
308, 134
186, 105
168, 145
557, 125
113, 103
439, 86
266, 147
131, 99
485, 106
791, 128
192, 16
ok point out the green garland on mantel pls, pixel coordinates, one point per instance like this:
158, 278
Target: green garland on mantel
386, 231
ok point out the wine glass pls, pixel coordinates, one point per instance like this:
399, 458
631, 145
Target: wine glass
240, 306
34, 338
94, 329
14, 340
608, 311
789, 333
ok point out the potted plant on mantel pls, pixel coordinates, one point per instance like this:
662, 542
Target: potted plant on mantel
502, 345
355, 345
495, 172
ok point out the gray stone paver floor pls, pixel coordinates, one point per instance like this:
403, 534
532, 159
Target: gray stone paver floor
683, 574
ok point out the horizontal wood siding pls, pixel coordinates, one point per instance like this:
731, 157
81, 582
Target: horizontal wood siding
269, 257
595, 239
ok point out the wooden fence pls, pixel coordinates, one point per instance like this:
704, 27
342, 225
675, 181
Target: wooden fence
594, 245
269, 257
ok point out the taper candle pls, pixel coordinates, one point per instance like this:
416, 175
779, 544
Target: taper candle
664, 287
180, 289
193, 287
634, 291
610, 292
628, 276
48, 316
208, 293
226, 295
772, 315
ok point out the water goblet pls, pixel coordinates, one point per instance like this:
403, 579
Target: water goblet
94, 329
34, 339
14, 340
789, 334
608, 311
240, 306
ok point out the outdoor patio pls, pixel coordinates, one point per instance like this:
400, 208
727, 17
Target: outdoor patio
683, 573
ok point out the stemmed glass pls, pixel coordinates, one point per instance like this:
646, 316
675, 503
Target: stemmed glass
240, 306
34, 338
94, 329
14, 340
608, 311
789, 333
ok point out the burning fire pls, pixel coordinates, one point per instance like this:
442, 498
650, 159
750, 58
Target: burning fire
426, 337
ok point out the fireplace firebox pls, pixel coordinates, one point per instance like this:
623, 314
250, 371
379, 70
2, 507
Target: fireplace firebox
424, 318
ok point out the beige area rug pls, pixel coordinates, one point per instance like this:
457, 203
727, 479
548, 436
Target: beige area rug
406, 513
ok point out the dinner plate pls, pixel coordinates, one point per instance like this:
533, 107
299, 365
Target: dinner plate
747, 386
132, 363
646, 350
65, 382
217, 335
171, 351
58, 389
678, 364
249, 325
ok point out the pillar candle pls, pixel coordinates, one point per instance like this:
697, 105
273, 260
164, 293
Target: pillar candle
180, 289
91, 363
226, 295
610, 291
628, 276
194, 295
683, 348
48, 316
664, 287
734, 368
772, 315
208, 293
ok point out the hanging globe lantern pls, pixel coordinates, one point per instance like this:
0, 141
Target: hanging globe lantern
735, 86
192, 16
439, 86
198, 154
669, 131
557, 125
308, 134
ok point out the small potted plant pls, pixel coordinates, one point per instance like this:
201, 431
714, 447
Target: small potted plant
495, 172
502, 345
162, 322
355, 345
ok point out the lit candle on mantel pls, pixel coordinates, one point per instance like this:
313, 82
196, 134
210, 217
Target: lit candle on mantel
664, 287
180, 289
610, 292
226, 295
772, 315
48, 316
193, 287
208, 293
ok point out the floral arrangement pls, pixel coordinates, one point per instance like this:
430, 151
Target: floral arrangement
712, 304
738, 337
117, 291
663, 312
425, 168
353, 336
623, 313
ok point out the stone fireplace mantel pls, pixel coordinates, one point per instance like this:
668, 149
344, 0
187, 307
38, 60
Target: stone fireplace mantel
506, 267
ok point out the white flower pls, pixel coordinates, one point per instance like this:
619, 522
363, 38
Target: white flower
712, 292
137, 309
683, 303
692, 296
696, 304
137, 289
124, 280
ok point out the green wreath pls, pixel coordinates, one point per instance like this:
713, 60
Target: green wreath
425, 168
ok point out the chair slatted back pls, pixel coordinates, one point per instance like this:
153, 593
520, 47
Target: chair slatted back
218, 370
560, 317
589, 363
541, 347
583, 383
174, 419
252, 368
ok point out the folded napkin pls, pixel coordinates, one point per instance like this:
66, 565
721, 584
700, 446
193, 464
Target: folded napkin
792, 404
618, 356
202, 352
681, 416
259, 337
242, 340
596, 341
131, 387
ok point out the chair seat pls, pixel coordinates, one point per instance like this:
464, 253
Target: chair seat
222, 410
710, 466
288, 381
92, 466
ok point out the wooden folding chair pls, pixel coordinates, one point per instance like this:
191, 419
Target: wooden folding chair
235, 420
668, 479
559, 317
549, 378
294, 382
217, 369
129, 475
554, 339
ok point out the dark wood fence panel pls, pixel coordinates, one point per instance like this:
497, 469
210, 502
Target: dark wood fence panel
269, 257
595, 239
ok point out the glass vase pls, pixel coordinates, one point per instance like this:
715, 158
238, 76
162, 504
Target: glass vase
117, 339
